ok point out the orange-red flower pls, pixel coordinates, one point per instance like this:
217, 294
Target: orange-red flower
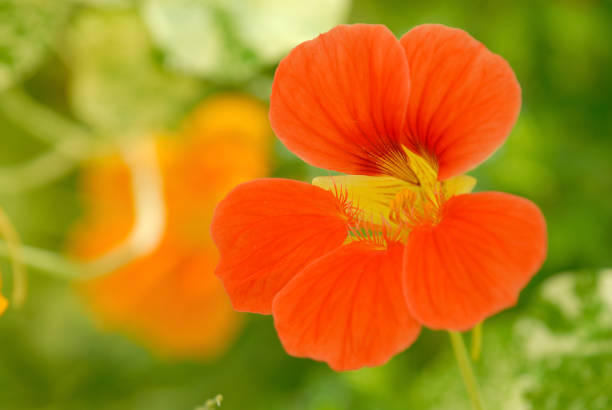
167, 296
352, 266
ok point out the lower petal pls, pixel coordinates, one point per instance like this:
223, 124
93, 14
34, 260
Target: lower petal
347, 308
475, 261
267, 231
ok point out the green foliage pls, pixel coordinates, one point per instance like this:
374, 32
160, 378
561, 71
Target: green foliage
233, 40
197, 38
212, 403
556, 355
27, 31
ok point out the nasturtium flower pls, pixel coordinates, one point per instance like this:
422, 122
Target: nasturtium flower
352, 266
168, 298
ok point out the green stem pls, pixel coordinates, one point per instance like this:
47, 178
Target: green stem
465, 367
476, 345
46, 261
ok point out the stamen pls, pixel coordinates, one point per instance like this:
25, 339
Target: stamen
380, 209
377, 234
413, 207
363, 226
348, 207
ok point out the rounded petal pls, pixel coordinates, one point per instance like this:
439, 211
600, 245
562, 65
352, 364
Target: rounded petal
475, 261
464, 99
347, 308
339, 101
267, 231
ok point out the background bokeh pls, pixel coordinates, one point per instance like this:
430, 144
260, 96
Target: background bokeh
78, 79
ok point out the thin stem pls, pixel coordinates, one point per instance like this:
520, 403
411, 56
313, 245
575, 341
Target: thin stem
45, 261
465, 367
476, 345
13, 250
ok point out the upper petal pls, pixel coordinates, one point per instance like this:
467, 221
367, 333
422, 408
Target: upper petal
267, 231
339, 101
464, 99
347, 308
475, 261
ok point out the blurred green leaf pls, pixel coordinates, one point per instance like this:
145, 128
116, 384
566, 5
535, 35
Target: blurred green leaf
231, 40
273, 27
27, 30
556, 356
188, 34
117, 86
197, 38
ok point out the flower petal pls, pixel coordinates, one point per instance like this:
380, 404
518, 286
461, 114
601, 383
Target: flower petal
267, 231
464, 99
475, 261
347, 308
338, 101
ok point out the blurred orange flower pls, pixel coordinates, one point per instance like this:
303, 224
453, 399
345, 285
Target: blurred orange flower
3, 301
161, 289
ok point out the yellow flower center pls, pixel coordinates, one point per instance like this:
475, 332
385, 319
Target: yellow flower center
388, 207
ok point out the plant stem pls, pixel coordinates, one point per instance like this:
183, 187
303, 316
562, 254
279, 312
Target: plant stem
465, 367
476, 345
46, 261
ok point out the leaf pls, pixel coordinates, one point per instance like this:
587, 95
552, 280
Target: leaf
196, 38
273, 27
232, 40
556, 355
